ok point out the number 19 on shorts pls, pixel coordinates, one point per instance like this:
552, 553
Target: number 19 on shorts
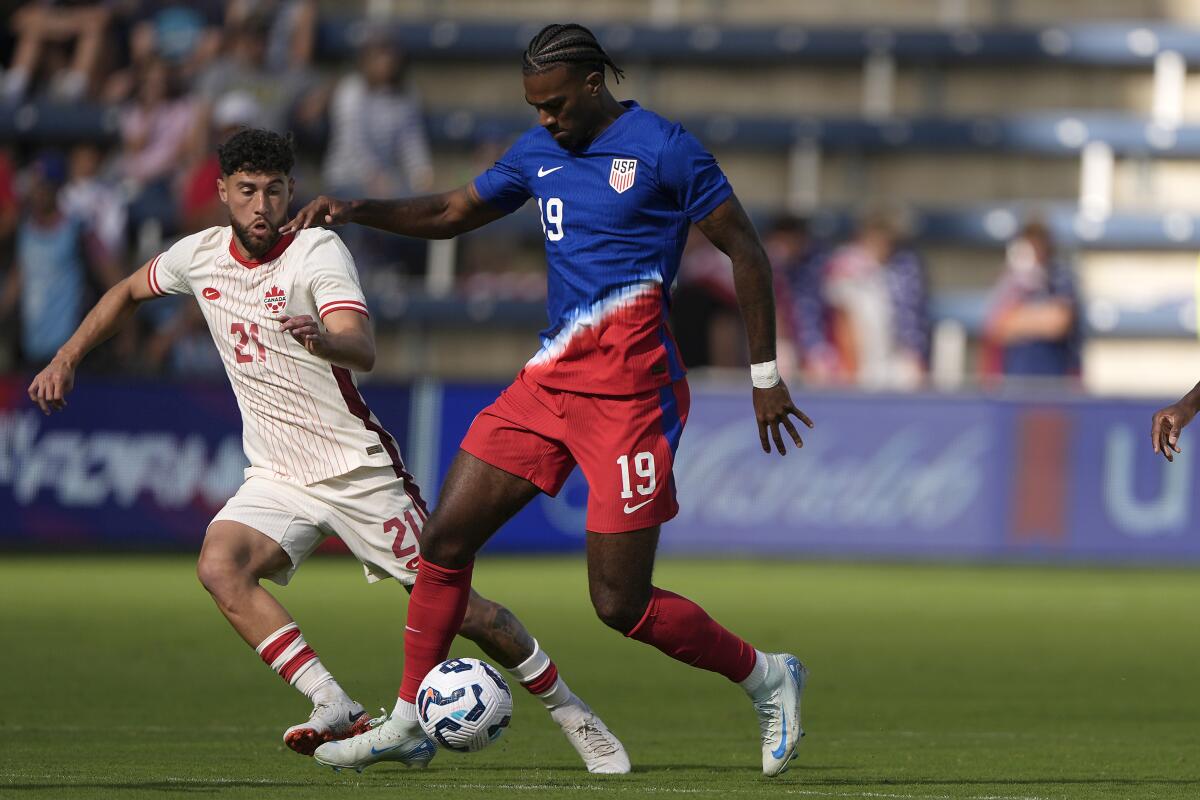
643, 471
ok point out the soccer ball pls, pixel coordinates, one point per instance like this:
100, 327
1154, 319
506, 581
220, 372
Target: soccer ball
463, 704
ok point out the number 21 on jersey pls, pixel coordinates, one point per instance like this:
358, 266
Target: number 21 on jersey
247, 332
552, 218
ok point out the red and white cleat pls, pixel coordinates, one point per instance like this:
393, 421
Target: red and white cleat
327, 723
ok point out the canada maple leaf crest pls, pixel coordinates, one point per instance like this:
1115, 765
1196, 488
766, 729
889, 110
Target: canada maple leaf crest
275, 299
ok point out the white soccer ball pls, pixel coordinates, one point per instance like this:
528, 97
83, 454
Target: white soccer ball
463, 704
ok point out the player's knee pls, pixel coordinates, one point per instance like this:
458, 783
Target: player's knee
618, 610
221, 576
440, 546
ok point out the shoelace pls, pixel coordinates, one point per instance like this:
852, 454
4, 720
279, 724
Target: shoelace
594, 740
375, 722
768, 721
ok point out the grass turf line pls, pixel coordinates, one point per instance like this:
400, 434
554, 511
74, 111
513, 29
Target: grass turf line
121, 679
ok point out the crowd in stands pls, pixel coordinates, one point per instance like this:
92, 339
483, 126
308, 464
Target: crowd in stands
184, 76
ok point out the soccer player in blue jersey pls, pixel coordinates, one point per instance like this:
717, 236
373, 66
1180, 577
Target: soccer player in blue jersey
617, 187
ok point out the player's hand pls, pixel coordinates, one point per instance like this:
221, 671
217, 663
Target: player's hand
322, 211
305, 330
51, 386
1167, 425
774, 408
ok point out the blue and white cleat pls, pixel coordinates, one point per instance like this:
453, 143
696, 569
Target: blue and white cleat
387, 740
779, 712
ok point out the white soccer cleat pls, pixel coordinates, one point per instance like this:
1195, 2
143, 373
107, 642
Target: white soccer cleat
779, 712
387, 740
602, 753
327, 723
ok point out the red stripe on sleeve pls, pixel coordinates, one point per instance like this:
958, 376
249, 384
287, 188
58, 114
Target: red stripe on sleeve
152, 279
329, 308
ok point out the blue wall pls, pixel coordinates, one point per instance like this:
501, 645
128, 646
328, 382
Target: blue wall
145, 466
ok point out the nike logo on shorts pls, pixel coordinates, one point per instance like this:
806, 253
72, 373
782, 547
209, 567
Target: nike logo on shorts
630, 509
544, 172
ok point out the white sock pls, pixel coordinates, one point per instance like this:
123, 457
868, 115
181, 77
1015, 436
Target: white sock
755, 682
286, 652
540, 677
404, 711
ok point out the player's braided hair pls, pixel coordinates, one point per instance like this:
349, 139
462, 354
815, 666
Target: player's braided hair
257, 152
570, 44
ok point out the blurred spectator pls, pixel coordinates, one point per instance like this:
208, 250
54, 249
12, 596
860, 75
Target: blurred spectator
291, 33
704, 311
9, 211
97, 202
53, 267
245, 68
46, 32
378, 148
200, 205
187, 35
796, 260
875, 293
155, 133
1032, 326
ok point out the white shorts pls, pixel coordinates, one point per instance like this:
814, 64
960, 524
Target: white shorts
369, 509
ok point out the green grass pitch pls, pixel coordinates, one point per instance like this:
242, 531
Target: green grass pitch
118, 678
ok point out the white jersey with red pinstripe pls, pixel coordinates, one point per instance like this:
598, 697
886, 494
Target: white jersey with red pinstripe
303, 419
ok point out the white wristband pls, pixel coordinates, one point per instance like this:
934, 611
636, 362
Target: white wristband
764, 375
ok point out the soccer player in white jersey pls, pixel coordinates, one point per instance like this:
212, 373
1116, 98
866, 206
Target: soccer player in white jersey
289, 319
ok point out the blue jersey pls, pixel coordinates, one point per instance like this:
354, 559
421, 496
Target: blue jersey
615, 216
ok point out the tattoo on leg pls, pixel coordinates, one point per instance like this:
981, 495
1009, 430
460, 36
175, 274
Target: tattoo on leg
498, 633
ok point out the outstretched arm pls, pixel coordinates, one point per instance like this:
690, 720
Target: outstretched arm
730, 229
1170, 421
51, 386
433, 216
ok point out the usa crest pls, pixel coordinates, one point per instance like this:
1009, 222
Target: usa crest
624, 170
275, 299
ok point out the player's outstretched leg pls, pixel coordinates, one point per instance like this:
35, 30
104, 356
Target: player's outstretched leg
501, 635
620, 566
476, 499
233, 560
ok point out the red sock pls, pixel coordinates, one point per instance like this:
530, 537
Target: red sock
435, 613
685, 632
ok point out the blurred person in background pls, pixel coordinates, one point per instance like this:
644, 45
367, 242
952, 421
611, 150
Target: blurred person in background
704, 311
875, 293
291, 29
89, 195
61, 45
54, 263
9, 216
1033, 325
244, 67
200, 204
377, 148
185, 34
796, 260
156, 131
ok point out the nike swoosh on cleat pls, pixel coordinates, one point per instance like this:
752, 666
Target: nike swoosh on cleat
376, 752
630, 509
779, 751
544, 172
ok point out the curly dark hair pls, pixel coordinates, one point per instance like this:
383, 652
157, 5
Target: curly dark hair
258, 152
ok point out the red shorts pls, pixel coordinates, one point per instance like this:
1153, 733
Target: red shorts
625, 446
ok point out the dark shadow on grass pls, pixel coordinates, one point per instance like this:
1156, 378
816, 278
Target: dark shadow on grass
175, 787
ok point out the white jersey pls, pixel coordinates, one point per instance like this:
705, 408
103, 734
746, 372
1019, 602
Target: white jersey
303, 418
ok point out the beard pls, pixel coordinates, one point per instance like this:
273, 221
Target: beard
257, 246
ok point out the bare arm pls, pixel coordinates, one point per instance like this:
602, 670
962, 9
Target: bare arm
730, 230
51, 386
1047, 319
347, 340
433, 216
